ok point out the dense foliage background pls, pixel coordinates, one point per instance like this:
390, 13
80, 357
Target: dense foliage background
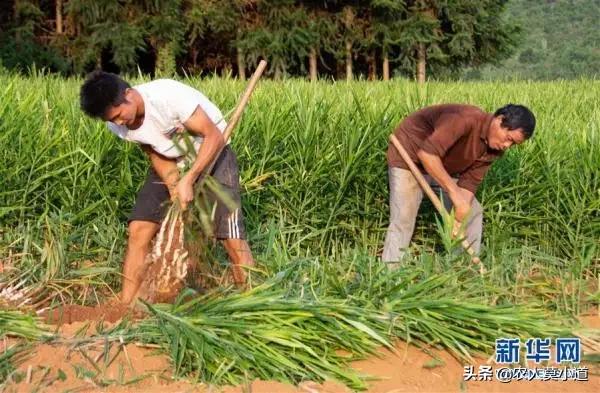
373, 39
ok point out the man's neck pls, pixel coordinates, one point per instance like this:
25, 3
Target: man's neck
141, 110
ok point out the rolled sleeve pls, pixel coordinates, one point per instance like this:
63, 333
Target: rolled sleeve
473, 176
448, 130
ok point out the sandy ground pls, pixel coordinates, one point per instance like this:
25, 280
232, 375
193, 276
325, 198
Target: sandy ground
131, 368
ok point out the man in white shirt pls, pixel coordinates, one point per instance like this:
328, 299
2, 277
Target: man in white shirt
150, 114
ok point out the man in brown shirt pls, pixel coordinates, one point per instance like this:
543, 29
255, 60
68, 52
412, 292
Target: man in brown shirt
454, 145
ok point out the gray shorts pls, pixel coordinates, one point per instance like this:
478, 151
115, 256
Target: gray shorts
152, 200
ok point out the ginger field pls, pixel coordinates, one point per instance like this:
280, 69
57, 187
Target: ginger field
314, 191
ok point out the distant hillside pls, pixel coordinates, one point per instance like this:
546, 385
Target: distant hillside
560, 39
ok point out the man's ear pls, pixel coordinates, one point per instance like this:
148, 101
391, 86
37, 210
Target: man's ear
501, 117
128, 93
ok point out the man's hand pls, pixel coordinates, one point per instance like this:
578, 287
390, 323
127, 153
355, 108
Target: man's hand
461, 199
172, 191
184, 191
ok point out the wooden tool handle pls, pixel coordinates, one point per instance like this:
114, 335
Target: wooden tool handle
244, 100
239, 109
427, 189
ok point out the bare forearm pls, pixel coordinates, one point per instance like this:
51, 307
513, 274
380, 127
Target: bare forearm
167, 171
208, 151
165, 168
461, 198
433, 165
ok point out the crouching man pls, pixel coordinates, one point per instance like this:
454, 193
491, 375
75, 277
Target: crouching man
454, 145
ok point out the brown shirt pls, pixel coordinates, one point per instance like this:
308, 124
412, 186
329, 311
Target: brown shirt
457, 133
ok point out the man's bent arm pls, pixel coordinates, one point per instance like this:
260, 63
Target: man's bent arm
461, 198
200, 124
165, 168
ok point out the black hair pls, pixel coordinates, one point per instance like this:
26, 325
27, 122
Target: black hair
517, 116
100, 91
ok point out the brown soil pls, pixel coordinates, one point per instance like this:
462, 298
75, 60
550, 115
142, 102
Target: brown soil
141, 369
71, 313
62, 366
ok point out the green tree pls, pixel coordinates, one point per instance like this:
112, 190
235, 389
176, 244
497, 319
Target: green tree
388, 26
279, 34
421, 36
23, 39
319, 26
125, 28
447, 35
162, 23
349, 33
475, 34
212, 19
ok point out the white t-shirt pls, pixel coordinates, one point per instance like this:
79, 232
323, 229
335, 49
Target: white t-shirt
167, 105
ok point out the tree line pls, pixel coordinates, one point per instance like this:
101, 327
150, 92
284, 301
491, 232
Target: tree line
313, 38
